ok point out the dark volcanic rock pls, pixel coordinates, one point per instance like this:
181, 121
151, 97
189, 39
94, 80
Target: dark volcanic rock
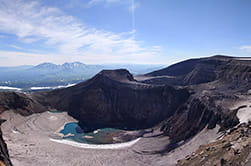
4, 155
120, 75
197, 113
19, 102
237, 72
115, 99
189, 72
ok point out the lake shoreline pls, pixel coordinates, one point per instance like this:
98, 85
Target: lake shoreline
97, 146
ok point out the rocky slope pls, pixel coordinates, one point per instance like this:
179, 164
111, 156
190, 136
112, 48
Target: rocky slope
201, 70
234, 148
193, 116
4, 155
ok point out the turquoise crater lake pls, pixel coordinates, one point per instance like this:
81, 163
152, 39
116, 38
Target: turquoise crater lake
73, 132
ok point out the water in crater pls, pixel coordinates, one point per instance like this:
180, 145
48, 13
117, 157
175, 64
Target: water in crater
73, 132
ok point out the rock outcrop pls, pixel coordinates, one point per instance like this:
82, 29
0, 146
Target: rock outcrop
4, 155
234, 148
237, 73
20, 102
202, 70
197, 113
114, 99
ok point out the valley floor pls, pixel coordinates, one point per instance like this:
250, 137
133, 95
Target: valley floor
29, 144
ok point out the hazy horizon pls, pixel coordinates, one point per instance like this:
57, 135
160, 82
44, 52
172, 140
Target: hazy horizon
104, 64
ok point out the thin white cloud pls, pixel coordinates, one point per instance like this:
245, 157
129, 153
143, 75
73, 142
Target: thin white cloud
131, 5
32, 22
16, 47
23, 49
14, 58
246, 48
96, 2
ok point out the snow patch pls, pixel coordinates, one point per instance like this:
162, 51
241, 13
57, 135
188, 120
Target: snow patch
92, 146
244, 114
9, 88
53, 118
53, 87
244, 59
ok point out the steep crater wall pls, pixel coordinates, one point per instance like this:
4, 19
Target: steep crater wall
106, 101
196, 114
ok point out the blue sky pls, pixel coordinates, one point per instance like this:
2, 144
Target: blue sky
122, 31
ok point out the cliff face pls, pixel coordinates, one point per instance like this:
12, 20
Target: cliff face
4, 155
115, 99
196, 114
238, 72
202, 70
21, 103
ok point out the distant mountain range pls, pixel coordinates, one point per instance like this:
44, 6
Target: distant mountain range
49, 74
